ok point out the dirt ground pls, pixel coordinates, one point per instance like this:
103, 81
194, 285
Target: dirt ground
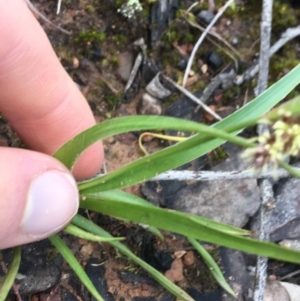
99, 53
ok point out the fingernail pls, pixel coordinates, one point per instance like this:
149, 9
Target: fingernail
52, 201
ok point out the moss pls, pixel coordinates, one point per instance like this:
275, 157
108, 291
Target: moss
90, 9
110, 98
217, 155
89, 36
283, 16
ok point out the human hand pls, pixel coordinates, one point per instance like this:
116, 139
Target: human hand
38, 194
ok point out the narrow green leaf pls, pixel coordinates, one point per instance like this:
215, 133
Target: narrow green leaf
160, 278
69, 153
212, 265
180, 223
66, 253
185, 151
73, 230
8, 280
129, 199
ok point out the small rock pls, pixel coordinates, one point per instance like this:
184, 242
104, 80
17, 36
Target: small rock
206, 16
274, 291
234, 40
285, 220
150, 105
179, 254
213, 60
189, 258
181, 65
75, 62
175, 274
293, 290
125, 60
156, 89
87, 250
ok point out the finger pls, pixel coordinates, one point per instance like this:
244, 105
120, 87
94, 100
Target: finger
36, 94
38, 196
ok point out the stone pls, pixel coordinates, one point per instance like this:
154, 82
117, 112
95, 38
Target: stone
206, 16
156, 88
274, 291
285, 219
229, 202
189, 258
175, 274
125, 61
38, 270
150, 105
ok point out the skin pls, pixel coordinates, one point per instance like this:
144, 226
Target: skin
44, 106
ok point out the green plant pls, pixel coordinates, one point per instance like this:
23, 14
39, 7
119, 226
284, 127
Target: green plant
89, 36
103, 195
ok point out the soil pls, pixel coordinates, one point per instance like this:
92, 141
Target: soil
98, 54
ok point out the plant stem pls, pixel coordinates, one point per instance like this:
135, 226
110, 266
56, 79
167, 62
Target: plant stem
208, 28
267, 194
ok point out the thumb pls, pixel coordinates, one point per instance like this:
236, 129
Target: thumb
38, 196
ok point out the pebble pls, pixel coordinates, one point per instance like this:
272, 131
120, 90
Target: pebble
189, 258
156, 89
149, 105
181, 65
125, 60
206, 16
175, 274
213, 59
285, 220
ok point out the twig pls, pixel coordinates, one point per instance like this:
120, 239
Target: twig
212, 23
194, 98
192, 6
58, 7
214, 34
267, 194
33, 9
290, 275
189, 175
250, 73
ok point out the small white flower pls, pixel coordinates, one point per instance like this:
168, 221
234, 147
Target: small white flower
130, 8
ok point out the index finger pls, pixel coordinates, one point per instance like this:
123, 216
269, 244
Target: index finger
36, 94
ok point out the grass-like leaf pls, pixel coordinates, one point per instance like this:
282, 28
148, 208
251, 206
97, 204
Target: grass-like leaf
197, 145
188, 225
130, 199
8, 280
176, 155
66, 253
73, 230
212, 265
160, 278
